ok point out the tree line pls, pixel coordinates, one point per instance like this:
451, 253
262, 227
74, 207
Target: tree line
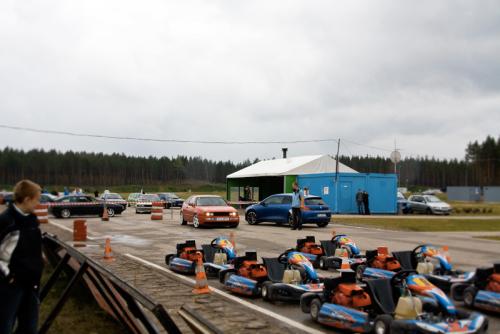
480, 167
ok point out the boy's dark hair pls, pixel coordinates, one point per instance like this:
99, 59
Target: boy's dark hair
24, 189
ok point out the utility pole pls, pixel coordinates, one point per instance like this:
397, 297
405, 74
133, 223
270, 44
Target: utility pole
337, 178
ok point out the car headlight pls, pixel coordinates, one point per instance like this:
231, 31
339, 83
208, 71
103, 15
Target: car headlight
209, 214
233, 214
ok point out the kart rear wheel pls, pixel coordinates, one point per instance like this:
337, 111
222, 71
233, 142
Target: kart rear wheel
382, 324
469, 296
315, 309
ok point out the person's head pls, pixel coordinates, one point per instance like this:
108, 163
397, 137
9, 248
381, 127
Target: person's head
27, 195
295, 186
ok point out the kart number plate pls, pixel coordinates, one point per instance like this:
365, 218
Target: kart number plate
222, 218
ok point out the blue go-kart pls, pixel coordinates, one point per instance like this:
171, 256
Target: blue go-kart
218, 255
246, 277
483, 292
290, 275
383, 306
339, 247
184, 260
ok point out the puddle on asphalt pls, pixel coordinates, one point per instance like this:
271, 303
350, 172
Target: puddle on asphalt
127, 240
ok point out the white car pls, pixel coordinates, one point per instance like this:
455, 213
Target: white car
428, 204
144, 203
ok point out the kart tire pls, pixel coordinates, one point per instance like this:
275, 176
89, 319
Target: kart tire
267, 291
457, 291
251, 218
183, 221
382, 324
469, 296
359, 272
315, 309
323, 263
227, 276
222, 275
168, 257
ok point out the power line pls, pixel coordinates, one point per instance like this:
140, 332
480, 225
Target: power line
76, 134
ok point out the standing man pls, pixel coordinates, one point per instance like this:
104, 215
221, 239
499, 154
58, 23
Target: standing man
359, 201
20, 261
297, 205
366, 203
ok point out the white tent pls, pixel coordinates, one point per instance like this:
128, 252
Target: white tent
308, 164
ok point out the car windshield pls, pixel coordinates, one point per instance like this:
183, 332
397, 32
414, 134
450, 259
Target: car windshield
210, 201
432, 199
314, 201
112, 196
149, 198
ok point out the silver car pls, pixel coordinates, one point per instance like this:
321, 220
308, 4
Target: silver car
144, 203
428, 204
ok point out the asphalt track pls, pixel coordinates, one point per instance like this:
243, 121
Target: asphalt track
149, 241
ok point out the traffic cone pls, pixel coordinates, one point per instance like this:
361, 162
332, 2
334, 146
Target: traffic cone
231, 239
345, 264
108, 253
446, 253
201, 285
105, 215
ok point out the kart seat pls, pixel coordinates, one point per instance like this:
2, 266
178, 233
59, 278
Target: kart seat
188, 243
249, 256
275, 269
405, 259
496, 268
370, 255
331, 284
481, 277
328, 247
208, 252
382, 295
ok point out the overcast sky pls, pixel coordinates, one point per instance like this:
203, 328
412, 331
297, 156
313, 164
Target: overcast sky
423, 73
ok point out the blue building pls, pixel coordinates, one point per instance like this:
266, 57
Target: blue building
317, 173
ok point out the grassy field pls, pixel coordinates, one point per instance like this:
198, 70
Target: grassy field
423, 225
80, 315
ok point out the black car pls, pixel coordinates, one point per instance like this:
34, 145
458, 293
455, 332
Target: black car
171, 200
82, 205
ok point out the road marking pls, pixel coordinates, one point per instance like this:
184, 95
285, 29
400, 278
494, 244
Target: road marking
262, 310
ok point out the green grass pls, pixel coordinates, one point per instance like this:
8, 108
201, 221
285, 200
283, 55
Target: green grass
424, 225
80, 315
489, 237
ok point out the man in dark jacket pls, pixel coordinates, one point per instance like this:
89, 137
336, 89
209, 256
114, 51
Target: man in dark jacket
21, 262
366, 202
359, 201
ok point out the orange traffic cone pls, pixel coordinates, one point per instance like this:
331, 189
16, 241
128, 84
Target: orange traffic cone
108, 253
231, 239
105, 215
201, 285
345, 264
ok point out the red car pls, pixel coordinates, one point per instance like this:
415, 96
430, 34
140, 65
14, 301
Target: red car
209, 210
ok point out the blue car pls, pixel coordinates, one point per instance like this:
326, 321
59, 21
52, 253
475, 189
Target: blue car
278, 209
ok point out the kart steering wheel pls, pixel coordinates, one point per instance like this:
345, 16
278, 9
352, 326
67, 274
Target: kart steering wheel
401, 275
213, 244
338, 235
283, 257
416, 251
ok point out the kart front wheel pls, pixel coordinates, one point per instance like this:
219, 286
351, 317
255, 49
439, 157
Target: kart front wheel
315, 309
267, 291
469, 296
359, 272
382, 324
168, 258
457, 291
322, 263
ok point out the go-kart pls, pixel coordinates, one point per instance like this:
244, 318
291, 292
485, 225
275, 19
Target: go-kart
482, 292
340, 248
291, 275
310, 249
383, 306
184, 261
246, 276
379, 264
434, 264
218, 255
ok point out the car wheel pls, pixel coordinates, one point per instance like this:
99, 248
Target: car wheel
65, 213
322, 224
382, 324
290, 220
315, 309
428, 211
196, 221
183, 221
251, 218
469, 296
111, 212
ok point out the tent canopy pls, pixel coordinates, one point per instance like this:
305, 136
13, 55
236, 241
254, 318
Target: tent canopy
308, 164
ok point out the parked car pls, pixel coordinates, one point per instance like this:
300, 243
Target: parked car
208, 210
81, 205
144, 203
47, 198
114, 198
403, 205
171, 200
278, 209
8, 197
428, 204
132, 198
